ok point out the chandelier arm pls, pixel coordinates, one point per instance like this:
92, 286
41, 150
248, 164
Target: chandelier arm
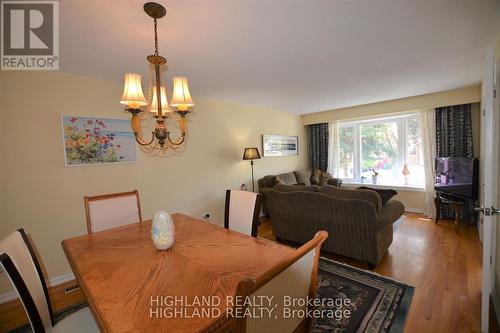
139, 141
178, 142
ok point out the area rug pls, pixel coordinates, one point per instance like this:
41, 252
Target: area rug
375, 303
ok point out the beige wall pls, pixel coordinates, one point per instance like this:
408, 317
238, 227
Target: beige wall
464, 95
43, 196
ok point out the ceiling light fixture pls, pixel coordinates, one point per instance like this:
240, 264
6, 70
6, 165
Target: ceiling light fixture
133, 97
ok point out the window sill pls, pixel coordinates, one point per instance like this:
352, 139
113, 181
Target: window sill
408, 188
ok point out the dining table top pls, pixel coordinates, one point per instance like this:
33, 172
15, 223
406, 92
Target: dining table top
130, 285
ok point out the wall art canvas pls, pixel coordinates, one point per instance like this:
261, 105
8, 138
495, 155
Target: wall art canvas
280, 145
92, 140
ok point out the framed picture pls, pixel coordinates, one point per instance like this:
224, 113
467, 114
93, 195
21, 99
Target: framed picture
92, 140
279, 145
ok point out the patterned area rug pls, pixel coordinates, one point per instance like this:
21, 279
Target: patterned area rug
375, 303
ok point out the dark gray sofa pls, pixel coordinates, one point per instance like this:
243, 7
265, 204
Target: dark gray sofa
297, 177
357, 224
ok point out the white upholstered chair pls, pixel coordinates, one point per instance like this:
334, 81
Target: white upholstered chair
242, 211
23, 269
112, 210
295, 276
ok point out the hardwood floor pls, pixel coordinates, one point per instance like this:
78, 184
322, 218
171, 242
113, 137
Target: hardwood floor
12, 315
441, 261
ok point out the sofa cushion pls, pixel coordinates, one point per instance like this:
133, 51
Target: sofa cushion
319, 177
269, 181
389, 214
286, 179
296, 188
385, 195
360, 194
303, 177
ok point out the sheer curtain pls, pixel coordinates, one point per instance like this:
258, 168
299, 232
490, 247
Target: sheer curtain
333, 148
428, 121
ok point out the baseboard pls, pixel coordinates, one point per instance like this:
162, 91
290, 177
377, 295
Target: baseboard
12, 295
60, 279
414, 210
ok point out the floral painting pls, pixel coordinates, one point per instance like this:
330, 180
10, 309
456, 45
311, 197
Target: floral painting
89, 140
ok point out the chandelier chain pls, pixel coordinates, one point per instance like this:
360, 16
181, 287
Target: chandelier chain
156, 38
150, 87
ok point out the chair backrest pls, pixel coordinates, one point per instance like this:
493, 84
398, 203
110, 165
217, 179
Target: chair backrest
242, 211
296, 277
19, 261
112, 210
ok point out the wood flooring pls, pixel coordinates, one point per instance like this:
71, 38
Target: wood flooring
442, 262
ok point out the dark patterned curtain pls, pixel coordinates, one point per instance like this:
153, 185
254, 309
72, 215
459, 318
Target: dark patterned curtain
454, 139
318, 146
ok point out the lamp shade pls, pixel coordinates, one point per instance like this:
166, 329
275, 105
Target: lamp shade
164, 102
132, 92
181, 97
251, 153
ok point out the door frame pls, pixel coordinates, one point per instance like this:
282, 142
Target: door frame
489, 157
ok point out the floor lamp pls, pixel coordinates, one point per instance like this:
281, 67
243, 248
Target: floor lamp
251, 154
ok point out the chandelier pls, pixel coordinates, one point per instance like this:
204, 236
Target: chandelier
180, 103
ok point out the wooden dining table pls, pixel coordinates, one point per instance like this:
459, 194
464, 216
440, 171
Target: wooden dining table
130, 285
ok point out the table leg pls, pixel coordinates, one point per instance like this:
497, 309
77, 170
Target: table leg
437, 203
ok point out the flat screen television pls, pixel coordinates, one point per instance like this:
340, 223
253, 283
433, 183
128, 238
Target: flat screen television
457, 176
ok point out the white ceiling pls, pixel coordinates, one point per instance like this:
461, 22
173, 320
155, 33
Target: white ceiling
298, 56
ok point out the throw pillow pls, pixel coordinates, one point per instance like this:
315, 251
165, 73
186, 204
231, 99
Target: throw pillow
325, 177
385, 195
319, 177
315, 174
303, 177
278, 180
269, 181
288, 178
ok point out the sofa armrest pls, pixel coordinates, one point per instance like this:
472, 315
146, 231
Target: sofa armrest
265, 190
389, 213
335, 182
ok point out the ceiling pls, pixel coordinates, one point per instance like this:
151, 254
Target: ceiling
299, 56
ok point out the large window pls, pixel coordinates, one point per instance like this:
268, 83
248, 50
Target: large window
390, 147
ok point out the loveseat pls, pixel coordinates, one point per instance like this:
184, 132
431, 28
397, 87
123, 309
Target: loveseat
298, 177
358, 225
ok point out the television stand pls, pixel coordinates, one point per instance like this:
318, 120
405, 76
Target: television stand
457, 202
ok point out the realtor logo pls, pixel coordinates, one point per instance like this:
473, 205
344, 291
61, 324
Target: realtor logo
30, 35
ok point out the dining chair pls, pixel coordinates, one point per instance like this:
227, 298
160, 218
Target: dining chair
109, 211
19, 261
242, 211
296, 276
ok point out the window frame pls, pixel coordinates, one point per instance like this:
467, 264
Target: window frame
402, 126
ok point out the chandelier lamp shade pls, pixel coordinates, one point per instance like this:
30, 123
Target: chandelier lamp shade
164, 103
141, 107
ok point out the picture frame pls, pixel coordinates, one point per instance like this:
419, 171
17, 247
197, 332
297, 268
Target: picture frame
279, 145
91, 140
